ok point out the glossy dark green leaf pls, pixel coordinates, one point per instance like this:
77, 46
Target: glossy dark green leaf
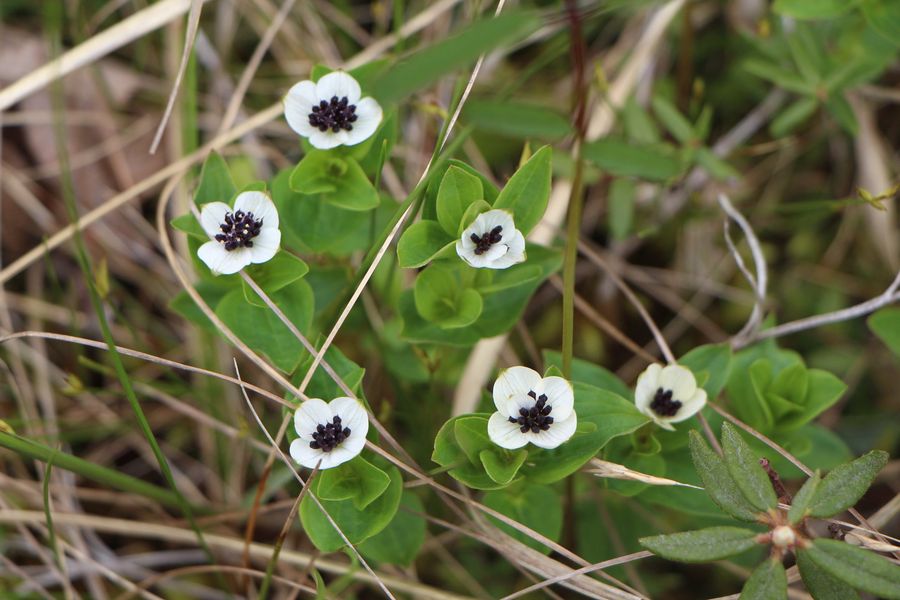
458, 51
743, 465
538, 507
337, 180
527, 192
718, 482
767, 582
860, 568
421, 243
273, 275
449, 454
820, 584
702, 545
846, 484
442, 299
471, 434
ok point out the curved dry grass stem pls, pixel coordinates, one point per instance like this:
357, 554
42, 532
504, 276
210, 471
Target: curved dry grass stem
582, 571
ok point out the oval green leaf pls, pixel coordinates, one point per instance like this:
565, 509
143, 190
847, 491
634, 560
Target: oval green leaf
703, 545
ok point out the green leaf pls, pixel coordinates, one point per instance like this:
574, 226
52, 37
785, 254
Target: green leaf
441, 298
780, 77
261, 329
189, 225
657, 162
621, 207
846, 484
884, 17
426, 66
839, 108
823, 390
800, 505
449, 454
502, 465
282, 270
590, 373
399, 542
458, 190
860, 568
820, 584
703, 545
472, 436
357, 525
714, 165
744, 467
357, 480
793, 116
472, 212
538, 507
812, 9
420, 243
718, 482
524, 121
337, 180
527, 192
309, 223
321, 385
216, 184
767, 582
886, 325
680, 128
712, 359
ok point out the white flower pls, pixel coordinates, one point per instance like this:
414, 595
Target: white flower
492, 241
332, 433
331, 112
668, 394
531, 408
248, 234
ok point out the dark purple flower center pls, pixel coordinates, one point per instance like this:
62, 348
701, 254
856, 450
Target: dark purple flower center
484, 243
663, 405
536, 418
239, 229
329, 436
334, 115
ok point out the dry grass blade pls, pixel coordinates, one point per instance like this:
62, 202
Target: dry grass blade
193, 23
604, 468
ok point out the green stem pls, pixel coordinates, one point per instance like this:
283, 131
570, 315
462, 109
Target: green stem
573, 230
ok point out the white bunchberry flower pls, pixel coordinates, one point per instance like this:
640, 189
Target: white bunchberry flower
668, 394
247, 234
331, 112
332, 433
492, 241
531, 408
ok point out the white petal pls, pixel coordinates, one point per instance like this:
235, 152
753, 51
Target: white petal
678, 379
265, 245
325, 140
514, 255
338, 83
560, 396
505, 434
309, 415
511, 389
260, 205
690, 407
338, 456
477, 261
298, 105
645, 389
306, 456
495, 253
368, 117
559, 432
221, 261
212, 216
664, 423
498, 218
352, 414
355, 443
